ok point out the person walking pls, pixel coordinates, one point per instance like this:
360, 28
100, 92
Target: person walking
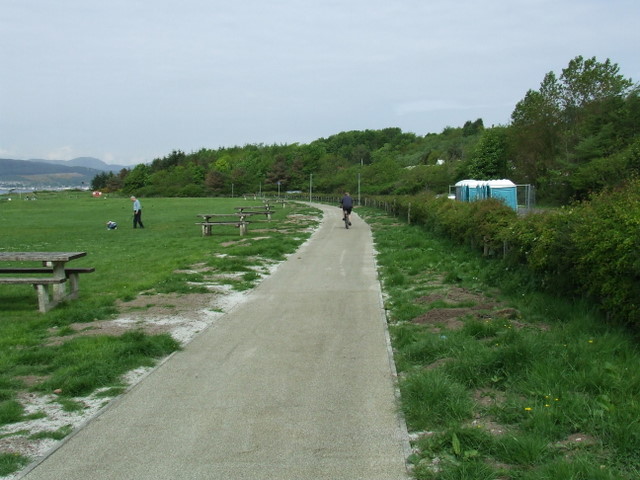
137, 212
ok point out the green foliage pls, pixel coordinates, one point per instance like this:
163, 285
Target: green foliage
10, 411
603, 172
80, 366
565, 139
136, 179
606, 237
56, 435
490, 157
431, 399
584, 114
43, 352
554, 392
11, 462
588, 250
379, 157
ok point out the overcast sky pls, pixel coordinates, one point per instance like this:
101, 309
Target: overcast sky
128, 81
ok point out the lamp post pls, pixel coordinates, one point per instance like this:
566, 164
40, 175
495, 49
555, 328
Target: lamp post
310, 185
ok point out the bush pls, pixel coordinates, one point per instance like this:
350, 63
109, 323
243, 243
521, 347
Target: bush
606, 239
588, 250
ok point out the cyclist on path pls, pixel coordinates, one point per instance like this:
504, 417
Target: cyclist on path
347, 205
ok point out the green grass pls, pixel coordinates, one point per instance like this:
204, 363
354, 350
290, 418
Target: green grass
128, 263
504, 395
11, 462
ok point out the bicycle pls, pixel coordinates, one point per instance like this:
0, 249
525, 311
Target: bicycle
346, 216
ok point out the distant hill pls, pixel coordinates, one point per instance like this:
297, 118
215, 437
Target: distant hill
44, 174
88, 162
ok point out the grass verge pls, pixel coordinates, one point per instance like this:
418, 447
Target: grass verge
499, 381
42, 354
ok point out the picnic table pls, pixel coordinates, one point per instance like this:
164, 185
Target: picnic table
266, 206
256, 210
237, 219
53, 273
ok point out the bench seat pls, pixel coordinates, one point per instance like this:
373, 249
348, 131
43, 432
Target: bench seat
45, 302
32, 280
206, 226
41, 284
68, 271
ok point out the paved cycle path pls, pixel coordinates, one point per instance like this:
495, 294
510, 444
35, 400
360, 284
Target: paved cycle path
294, 383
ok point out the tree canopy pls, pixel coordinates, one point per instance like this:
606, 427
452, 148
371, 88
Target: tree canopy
576, 134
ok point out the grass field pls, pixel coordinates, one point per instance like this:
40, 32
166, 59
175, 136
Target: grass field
127, 263
497, 380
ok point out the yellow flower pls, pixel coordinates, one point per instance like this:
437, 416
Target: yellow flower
528, 409
590, 340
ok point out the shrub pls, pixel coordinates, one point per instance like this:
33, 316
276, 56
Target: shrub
588, 250
606, 238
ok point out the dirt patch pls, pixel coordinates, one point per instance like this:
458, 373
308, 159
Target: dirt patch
31, 380
453, 295
438, 363
578, 439
439, 318
488, 425
178, 315
488, 397
450, 318
181, 316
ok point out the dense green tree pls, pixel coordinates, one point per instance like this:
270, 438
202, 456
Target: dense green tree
217, 182
472, 128
571, 120
100, 181
136, 179
490, 157
568, 138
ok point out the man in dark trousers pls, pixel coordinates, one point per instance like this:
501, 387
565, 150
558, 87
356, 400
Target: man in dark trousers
347, 205
137, 212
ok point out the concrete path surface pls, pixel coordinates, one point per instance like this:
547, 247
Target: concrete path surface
294, 383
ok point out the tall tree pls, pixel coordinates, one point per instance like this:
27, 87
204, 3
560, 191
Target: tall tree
490, 158
554, 129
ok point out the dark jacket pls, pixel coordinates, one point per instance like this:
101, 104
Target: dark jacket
347, 201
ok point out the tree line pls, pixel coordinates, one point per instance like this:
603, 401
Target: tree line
577, 134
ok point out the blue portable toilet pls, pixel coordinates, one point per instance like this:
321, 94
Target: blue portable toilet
504, 190
469, 190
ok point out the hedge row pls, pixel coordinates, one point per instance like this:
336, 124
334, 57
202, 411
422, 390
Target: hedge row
590, 249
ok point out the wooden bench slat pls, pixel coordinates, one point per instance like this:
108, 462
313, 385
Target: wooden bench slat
32, 280
52, 288
44, 270
206, 226
221, 223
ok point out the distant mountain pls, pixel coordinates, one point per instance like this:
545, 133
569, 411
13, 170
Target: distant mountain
88, 162
43, 174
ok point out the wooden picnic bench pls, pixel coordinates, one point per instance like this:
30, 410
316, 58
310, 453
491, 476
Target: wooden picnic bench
266, 206
256, 210
236, 219
54, 273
